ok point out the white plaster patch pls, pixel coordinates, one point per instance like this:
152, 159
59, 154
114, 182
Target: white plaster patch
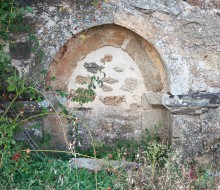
119, 59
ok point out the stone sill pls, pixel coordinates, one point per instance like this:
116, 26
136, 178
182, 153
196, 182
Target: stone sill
191, 104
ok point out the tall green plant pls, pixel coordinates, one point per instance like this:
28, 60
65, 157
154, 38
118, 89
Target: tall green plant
10, 20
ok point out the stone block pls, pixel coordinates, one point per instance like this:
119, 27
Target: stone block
112, 100
153, 98
106, 88
194, 135
57, 127
99, 164
183, 125
150, 118
31, 132
93, 67
110, 80
82, 79
191, 104
130, 84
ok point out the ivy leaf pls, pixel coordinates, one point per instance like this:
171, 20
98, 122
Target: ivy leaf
13, 142
11, 88
29, 9
53, 78
13, 15
4, 57
3, 17
21, 10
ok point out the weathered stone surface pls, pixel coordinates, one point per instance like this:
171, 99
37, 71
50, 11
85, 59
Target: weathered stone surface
57, 126
106, 88
153, 98
93, 67
175, 45
112, 100
136, 48
130, 84
157, 117
195, 135
150, 118
110, 80
101, 164
134, 106
107, 127
167, 6
192, 104
31, 133
205, 4
21, 50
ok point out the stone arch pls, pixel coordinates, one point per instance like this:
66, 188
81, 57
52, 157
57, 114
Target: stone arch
117, 119
112, 35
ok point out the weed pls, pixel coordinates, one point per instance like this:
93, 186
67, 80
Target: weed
57, 174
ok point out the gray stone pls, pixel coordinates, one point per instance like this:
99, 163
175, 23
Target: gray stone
106, 88
130, 84
31, 133
118, 69
205, 4
101, 164
21, 50
195, 135
93, 67
192, 104
153, 98
150, 118
167, 6
110, 80
57, 126
44, 103
134, 106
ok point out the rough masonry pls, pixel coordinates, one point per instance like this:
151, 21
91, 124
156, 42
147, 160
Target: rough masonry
174, 44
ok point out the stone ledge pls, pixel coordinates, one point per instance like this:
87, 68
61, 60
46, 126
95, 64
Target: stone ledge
101, 164
191, 104
154, 98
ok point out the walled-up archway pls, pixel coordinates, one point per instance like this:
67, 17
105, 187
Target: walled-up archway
129, 100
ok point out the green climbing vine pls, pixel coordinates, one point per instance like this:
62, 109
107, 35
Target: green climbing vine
11, 22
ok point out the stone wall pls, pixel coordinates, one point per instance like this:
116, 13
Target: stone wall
133, 70
175, 44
